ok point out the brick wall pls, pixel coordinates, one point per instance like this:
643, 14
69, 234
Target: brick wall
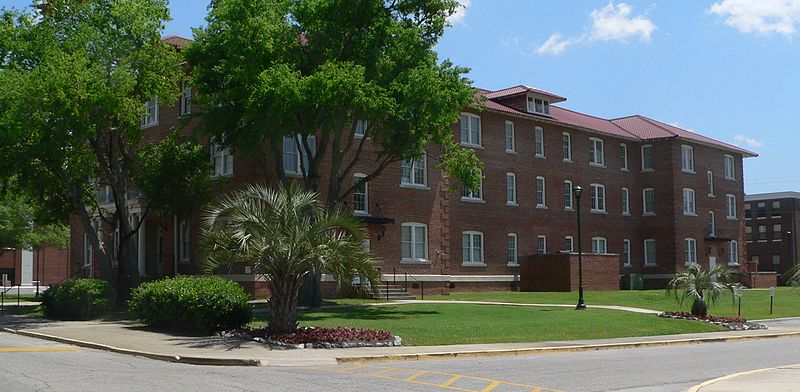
559, 272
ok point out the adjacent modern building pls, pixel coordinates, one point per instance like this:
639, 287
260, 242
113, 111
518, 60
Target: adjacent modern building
658, 196
771, 221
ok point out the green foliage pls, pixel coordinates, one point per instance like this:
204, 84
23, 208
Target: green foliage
315, 67
702, 287
191, 303
18, 228
174, 175
284, 234
79, 299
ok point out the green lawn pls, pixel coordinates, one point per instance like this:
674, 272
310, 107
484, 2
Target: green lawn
434, 324
755, 303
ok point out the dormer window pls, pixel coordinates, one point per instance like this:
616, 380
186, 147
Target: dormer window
538, 105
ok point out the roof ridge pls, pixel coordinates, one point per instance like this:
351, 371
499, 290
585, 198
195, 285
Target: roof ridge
658, 124
600, 118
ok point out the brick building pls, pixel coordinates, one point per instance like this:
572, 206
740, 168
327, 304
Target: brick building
24, 267
771, 221
657, 195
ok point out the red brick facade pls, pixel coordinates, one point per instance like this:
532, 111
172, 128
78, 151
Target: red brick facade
447, 216
48, 265
771, 222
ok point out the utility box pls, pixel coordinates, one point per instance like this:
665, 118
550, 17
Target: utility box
636, 282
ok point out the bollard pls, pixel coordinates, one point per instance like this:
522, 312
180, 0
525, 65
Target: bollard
17, 296
422, 288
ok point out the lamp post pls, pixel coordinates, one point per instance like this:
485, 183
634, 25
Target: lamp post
581, 303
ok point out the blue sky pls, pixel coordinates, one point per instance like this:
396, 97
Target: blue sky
724, 68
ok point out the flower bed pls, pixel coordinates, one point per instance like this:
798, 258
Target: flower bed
310, 337
732, 323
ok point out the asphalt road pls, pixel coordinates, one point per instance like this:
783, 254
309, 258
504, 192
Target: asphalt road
34, 365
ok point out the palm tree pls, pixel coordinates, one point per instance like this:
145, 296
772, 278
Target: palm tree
703, 287
284, 234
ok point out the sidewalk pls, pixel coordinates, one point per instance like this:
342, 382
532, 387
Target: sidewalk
784, 378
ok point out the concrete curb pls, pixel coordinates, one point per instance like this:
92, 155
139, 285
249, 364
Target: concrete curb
159, 357
549, 350
700, 386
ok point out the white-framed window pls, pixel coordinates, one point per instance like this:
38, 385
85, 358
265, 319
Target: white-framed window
598, 197
361, 129
777, 232
221, 159
470, 130
414, 172
688, 202
540, 192
649, 201
473, 194
567, 194
511, 189
712, 224
650, 252
730, 171
295, 159
748, 233
776, 259
566, 141
730, 204
150, 118
538, 135
599, 245
472, 247
538, 105
541, 244
733, 253
414, 241
762, 233
184, 241
626, 252
710, 183
512, 249
511, 141
596, 155
186, 98
687, 158
689, 251
569, 244
361, 194
87, 250
623, 156
647, 157
626, 205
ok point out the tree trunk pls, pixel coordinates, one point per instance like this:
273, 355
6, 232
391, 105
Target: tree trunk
283, 304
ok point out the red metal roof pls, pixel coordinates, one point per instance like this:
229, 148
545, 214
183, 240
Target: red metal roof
176, 41
520, 90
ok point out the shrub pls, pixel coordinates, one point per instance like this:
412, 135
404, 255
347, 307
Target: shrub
191, 303
79, 299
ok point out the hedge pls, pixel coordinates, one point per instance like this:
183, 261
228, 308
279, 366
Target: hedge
191, 303
79, 299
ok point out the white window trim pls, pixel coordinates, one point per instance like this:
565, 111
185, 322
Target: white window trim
647, 261
692, 259
542, 238
733, 245
184, 234
690, 161
727, 158
593, 156
186, 98
363, 126
710, 183
536, 132
471, 198
571, 242
623, 148
644, 202
567, 158
626, 258
693, 204
413, 226
516, 250
602, 210
365, 211
149, 124
543, 204
514, 188
469, 131
414, 162
223, 154
571, 205
626, 201
713, 220
728, 205
604, 240
652, 158
299, 155
472, 263
531, 103
513, 149
88, 251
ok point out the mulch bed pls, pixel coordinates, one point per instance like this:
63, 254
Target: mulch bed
311, 337
732, 323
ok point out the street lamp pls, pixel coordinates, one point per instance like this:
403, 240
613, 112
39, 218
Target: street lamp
581, 303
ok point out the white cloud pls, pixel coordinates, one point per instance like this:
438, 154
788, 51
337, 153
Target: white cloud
461, 12
763, 17
752, 142
554, 45
615, 23
610, 23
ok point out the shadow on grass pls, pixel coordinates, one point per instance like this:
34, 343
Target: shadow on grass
363, 313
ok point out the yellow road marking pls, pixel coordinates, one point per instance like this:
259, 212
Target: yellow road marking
384, 373
34, 349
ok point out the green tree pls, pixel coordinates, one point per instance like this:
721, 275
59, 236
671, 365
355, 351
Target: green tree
704, 288
285, 234
311, 69
76, 76
19, 229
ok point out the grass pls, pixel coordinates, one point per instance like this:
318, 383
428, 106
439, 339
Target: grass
755, 303
441, 324
24, 310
